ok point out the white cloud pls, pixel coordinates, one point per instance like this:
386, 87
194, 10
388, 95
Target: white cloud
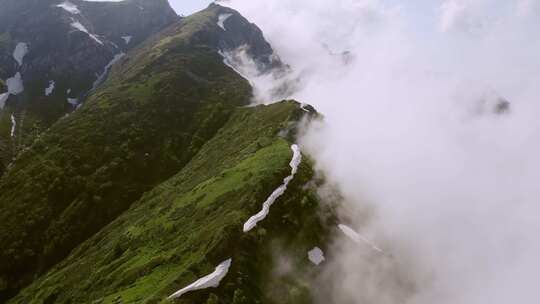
527, 8
453, 14
413, 137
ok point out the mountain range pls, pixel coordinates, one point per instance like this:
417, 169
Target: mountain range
134, 165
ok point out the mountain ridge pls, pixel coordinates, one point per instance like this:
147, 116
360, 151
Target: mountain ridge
161, 104
187, 201
67, 46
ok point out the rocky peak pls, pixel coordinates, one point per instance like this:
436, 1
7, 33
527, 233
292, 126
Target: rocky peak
226, 30
236, 31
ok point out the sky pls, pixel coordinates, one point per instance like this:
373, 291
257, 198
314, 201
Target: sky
427, 167
184, 7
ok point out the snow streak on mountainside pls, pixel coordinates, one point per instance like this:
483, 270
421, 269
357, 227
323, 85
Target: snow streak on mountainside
15, 84
255, 219
431, 133
3, 98
20, 51
69, 7
222, 19
127, 39
101, 77
211, 280
13, 125
78, 26
50, 88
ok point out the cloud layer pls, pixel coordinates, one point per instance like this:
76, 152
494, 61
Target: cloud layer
431, 133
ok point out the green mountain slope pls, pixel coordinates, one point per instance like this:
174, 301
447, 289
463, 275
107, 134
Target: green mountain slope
186, 226
160, 105
146, 187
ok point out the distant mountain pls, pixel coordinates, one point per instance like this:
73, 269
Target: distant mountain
54, 52
147, 186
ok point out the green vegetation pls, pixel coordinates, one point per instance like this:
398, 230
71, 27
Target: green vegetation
146, 187
183, 228
145, 125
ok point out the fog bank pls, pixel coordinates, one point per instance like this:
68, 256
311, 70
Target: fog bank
432, 134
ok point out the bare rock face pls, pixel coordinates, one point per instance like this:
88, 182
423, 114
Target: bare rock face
493, 104
503, 106
231, 31
72, 40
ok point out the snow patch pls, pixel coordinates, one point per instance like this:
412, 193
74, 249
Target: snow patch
20, 51
357, 238
211, 280
69, 7
127, 39
316, 256
295, 162
101, 77
50, 88
221, 20
3, 98
78, 26
15, 84
13, 125
73, 101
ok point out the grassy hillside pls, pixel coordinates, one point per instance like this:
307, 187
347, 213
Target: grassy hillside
183, 228
141, 128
